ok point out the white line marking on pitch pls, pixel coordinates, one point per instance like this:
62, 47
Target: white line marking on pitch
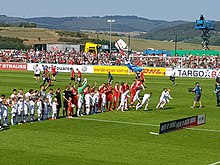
141, 124
119, 122
207, 130
215, 163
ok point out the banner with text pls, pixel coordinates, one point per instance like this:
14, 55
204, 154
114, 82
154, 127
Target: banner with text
124, 70
200, 73
62, 67
112, 69
182, 123
13, 66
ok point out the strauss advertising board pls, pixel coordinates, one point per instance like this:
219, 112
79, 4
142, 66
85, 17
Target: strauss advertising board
13, 66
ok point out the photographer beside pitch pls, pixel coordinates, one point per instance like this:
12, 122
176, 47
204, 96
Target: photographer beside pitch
198, 92
217, 91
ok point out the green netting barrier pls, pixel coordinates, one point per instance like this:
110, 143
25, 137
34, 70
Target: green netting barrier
196, 52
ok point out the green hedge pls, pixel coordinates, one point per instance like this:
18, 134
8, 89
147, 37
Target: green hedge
12, 43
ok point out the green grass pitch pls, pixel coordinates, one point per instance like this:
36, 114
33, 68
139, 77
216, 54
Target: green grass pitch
115, 137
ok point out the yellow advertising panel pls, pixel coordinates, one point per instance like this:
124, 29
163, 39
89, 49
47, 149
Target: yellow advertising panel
154, 71
112, 69
124, 70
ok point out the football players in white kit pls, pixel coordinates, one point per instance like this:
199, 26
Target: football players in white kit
14, 111
162, 98
166, 98
26, 109
80, 106
88, 102
20, 109
123, 100
54, 108
146, 100
4, 110
103, 102
39, 108
32, 110
95, 101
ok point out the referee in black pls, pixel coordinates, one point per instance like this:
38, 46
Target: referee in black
58, 97
66, 94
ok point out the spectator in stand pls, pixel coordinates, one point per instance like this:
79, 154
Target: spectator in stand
82, 58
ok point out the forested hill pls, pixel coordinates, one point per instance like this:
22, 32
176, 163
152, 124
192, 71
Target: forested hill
121, 24
153, 29
185, 33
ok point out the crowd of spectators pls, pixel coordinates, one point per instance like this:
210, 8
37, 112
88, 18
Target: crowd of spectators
186, 61
82, 58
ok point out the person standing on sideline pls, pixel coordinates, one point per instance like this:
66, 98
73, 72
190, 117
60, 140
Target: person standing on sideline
80, 91
198, 92
75, 96
88, 103
14, 94
49, 95
72, 79
37, 72
14, 110
70, 107
217, 92
4, 110
172, 76
54, 72
54, 109
218, 77
59, 104
79, 76
39, 109
110, 78
66, 94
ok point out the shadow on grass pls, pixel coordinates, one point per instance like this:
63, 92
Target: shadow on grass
168, 108
5, 128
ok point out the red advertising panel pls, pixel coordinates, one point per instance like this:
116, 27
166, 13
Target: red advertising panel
13, 66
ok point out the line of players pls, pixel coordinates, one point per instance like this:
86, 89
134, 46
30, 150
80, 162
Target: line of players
84, 99
108, 98
23, 106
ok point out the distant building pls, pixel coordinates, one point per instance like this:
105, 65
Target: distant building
58, 47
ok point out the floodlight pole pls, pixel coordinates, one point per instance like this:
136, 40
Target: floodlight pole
175, 46
110, 34
129, 42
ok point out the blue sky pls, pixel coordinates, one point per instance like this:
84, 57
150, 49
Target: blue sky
169, 10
